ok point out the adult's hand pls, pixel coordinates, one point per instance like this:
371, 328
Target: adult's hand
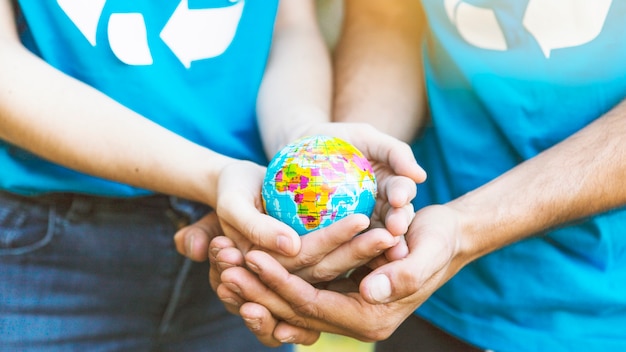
193, 240
394, 165
385, 297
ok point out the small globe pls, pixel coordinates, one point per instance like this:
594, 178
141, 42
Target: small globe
316, 181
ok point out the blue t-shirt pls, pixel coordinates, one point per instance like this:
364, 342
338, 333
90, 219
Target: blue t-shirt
505, 81
192, 66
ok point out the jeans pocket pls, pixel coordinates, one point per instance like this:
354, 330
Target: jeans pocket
25, 225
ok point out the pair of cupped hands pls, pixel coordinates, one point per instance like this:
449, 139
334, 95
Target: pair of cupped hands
289, 288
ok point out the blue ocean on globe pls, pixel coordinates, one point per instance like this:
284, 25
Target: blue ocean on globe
316, 181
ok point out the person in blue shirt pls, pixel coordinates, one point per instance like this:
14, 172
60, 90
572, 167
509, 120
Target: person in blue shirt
519, 238
122, 123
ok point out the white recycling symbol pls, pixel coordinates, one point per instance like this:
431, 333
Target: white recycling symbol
191, 34
555, 24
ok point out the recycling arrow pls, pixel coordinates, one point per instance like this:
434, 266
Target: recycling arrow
197, 34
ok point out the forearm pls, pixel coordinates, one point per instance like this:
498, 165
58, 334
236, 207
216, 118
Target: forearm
67, 122
378, 67
577, 178
296, 88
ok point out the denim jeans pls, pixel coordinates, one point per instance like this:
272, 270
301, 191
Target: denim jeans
82, 273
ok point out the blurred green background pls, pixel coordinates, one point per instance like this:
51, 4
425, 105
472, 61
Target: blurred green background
336, 343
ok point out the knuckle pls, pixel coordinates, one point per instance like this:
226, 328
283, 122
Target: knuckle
308, 309
321, 274
297, 320
305, 259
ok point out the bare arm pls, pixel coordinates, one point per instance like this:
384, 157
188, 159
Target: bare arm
296, 89
378, 65
579, 177
66, 121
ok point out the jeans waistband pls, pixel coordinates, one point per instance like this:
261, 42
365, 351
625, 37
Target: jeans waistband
85, 203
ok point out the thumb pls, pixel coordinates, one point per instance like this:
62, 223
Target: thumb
402, 278
193, 240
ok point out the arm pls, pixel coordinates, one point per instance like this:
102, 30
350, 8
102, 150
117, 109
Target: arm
66, 121
378, 78
294, 100
579, 177
296, 89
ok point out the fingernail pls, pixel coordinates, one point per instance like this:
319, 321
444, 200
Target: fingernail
224, 265
253, 324
234, 288
379, 288
289, 339
214, 251
284, 244
253, 266
189, 243
230, 301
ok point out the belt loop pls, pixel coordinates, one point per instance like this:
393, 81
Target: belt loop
80, 208
179, 214
182, 212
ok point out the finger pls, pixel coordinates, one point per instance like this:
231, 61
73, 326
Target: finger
229, 257
249, 288
287, 333
399, 251
360, 250
317, 244
297, 302
391, 151
214, 277
223, 254
217, 244
260, 322
418, 271
249, 227
320, 310
241, 209
271, 331
239, 241
399, 190
193, 240
398, 220
231, 300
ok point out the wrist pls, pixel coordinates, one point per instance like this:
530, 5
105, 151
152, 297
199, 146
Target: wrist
303, 122
483, 226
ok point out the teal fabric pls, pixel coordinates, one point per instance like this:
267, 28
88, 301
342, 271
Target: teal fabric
497, 100
193, 67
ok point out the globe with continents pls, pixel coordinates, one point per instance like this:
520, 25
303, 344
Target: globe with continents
316, 181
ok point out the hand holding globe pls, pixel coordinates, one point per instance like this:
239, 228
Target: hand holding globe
317, 180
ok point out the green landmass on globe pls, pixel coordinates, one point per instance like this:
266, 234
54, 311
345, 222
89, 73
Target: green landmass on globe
316, 181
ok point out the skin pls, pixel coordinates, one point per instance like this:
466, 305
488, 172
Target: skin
324, 254
577, 178
71, 124
444, 238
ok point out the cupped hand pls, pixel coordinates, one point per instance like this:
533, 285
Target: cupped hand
240, 207
386, 296
397, 172
318, 256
